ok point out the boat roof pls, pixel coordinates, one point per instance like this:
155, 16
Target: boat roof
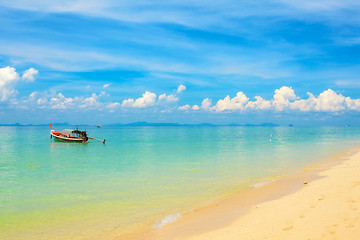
67, 131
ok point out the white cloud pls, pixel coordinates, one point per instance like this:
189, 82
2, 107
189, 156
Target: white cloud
60, 102
305, 105
50, 100
180, 89
148, 99
106, 85
168, 98
195, 107
206, 104
9, 78
353, 104
259, 104
54, 100
172, 97
282, 98
29, 75
236, 103
6, 93
327, 101
185, 107
92, 102
113, 106
330, 101
128, 103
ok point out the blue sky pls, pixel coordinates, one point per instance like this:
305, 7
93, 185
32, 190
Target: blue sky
101, 62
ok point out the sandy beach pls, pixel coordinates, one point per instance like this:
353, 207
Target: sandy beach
320, 204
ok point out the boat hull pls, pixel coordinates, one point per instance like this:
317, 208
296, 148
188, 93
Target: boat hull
60, 137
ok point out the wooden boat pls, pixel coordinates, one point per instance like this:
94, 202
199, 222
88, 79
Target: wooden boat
69, 135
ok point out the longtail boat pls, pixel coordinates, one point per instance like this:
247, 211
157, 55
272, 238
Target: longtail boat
71, 135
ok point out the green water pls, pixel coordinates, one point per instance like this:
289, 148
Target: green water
142, 175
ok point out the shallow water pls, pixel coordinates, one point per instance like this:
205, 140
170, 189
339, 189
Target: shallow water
142, 176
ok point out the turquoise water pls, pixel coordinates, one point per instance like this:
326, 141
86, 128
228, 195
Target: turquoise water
58, 190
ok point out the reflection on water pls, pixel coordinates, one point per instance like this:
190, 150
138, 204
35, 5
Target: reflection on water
61, 144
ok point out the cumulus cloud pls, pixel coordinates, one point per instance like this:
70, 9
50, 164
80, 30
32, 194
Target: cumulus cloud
168, 98
171, 98
236, 103
9, 78
305, 105
330, 101
149, 99
29, 75
93, 101
54, 100
259, 104
284, 99
180, 88
128, 102
185, 107
327, 101
206, 104
60, 102
195, 107
353, 104
50, 100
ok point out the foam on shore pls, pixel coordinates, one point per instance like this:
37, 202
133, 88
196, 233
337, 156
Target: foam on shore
167, 219
259, 184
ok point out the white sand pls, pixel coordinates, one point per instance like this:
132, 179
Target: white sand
325, 208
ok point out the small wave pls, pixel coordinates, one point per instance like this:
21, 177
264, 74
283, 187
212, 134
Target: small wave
259, 184
167, 219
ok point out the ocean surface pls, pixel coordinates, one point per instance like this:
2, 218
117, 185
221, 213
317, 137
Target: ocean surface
143, 177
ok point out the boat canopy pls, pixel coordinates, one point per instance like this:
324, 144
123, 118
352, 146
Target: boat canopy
67, 131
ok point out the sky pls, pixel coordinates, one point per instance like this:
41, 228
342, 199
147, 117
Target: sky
221, 62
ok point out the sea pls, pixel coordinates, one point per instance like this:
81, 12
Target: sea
143, 177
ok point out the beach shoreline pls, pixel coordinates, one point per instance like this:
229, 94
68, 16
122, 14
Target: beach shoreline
230, 218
